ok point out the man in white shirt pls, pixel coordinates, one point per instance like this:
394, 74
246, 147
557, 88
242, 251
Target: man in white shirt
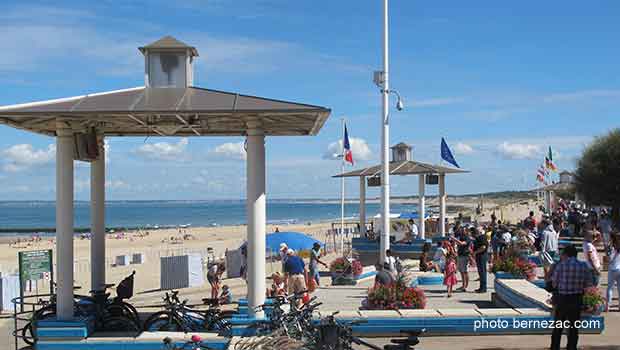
390, 261
413, 228
549, 243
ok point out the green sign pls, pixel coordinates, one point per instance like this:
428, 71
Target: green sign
35, 265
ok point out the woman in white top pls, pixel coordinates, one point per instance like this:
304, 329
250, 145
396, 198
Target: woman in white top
589, 251
613, 275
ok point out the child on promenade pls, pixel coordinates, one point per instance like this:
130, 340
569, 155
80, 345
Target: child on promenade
449, 275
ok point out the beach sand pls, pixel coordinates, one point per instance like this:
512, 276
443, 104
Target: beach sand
168, 242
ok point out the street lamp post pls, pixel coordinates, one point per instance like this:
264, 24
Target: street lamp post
385, 137
381, 78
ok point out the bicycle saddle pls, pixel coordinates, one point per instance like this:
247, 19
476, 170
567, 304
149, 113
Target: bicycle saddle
210, 301
406, 341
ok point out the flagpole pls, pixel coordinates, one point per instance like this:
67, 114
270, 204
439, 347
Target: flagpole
342, 160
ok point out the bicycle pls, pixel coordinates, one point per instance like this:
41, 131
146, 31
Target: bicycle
47, 310
179, 317
289, 323
110, 314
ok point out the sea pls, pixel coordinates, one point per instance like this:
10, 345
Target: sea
26, 217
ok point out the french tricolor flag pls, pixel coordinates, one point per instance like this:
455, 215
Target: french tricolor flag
348, 155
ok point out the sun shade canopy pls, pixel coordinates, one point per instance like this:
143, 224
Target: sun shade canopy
190, 111
405, 167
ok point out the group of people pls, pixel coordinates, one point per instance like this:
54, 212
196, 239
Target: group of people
466, 246
214, 277
296, 277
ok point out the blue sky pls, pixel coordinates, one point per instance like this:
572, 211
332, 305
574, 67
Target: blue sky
501, 81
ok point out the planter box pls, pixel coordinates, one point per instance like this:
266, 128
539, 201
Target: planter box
342, 279
507, 276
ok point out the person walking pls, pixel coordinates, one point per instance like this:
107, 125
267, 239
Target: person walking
613, 273
481, 246
570, 278
590, 236
549, 243
315, 260
463, 243
295, 272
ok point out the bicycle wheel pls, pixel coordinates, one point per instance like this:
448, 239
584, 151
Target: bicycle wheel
162, 321
28, 334
119, 324
44, 312
123, 309
223, 327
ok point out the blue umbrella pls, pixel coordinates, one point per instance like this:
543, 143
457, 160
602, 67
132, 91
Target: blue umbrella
294, 240
413, 215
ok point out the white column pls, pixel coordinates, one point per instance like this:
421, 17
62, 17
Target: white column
64, 221
97, 215
421, 206
362, 205
256, 219
385, 139
442, 204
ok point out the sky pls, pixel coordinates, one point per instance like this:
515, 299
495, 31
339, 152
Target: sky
501, 81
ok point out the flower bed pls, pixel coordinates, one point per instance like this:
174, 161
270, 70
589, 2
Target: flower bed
515, 266
394, 297
593, 301
345, 271
398, 295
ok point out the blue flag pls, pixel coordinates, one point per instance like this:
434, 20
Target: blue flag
446, 154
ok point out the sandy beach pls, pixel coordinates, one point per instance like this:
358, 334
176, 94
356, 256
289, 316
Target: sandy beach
201, 240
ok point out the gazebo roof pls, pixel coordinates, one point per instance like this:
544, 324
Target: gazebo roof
168, 112
405, 167
168, 43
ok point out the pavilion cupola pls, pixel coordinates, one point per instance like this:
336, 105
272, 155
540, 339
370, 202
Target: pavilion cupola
168, 63
401, 152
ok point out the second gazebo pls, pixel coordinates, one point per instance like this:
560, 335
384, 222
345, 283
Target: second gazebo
403, 164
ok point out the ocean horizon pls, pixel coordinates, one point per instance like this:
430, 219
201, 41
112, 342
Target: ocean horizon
33, 216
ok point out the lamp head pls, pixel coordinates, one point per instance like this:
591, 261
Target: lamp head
399, 104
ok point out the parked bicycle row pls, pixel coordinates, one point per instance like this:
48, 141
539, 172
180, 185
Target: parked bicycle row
291, 318
115, 314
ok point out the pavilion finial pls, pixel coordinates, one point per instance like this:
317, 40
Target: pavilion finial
168, 63
401, 152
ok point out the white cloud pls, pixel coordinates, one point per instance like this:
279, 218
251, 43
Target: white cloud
436, 102
359, 148
116, 184
519, 150
25, 156
229, 150
463, 148
164, 150
581, 95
